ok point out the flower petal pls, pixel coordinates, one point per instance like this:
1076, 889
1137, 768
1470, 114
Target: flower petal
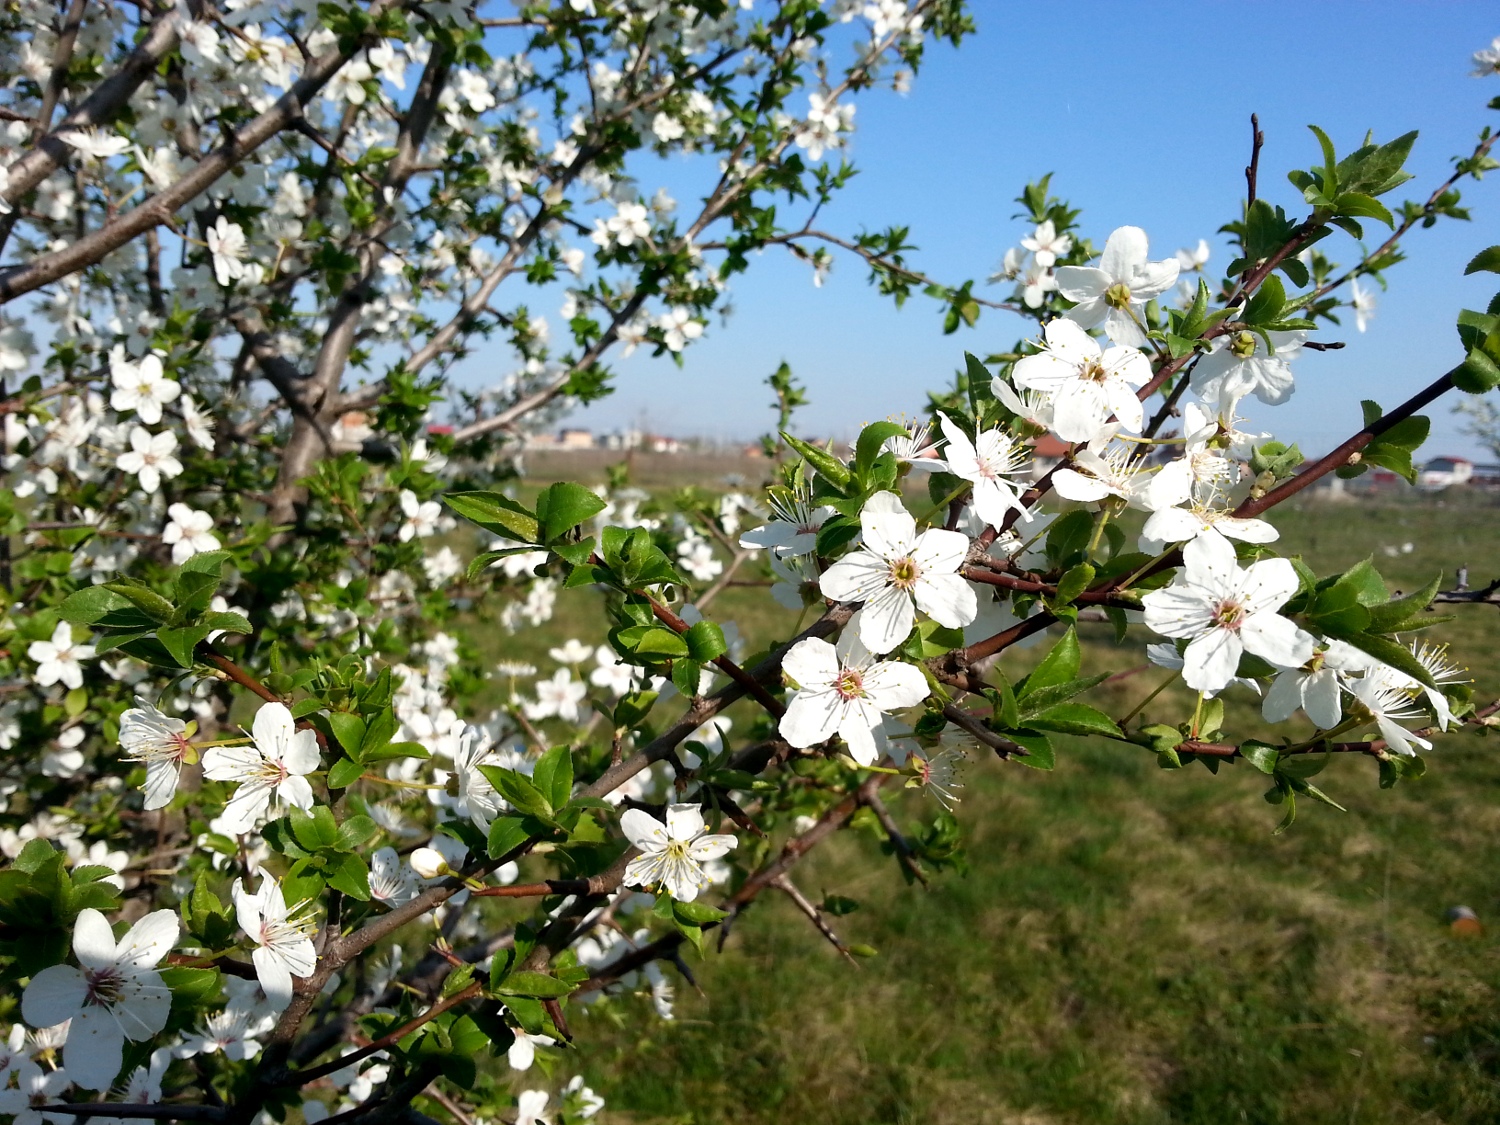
94, 1050
1277, 639
888, 527
149, 940
811, 663
93, 940
643, 830
272, 729
1210, 661
684, 822
55, 994
947, 599
811, 717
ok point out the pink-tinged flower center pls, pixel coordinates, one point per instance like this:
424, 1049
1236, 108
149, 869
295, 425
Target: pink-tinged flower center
904, 573
1117, 296
850, 684
1093, 371
103, 986
1229, 614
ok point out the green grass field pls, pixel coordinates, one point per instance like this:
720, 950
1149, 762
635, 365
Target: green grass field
1129, 944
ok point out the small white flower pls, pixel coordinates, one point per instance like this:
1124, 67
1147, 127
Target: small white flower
58, 660
1225, 611
1116, 291
188, 533
34, 1088
1047, 244
161, 743
1383, 693
1240, 364
522, 1051
899, 572
115, 995
1194, 259
391, 881
421, 517
792, 531
1087, 383
844, 690
1314, 686
916, 448
672, 854
985, 463
226, 242
1362, 302
141, 387
1487, 60
270, 770
284, 947
95, 144
150, 457
531, 1108
558, 696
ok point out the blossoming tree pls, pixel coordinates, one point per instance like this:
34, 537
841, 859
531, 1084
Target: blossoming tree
240, 678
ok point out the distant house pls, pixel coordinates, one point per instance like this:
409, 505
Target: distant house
1445, 472
575, 439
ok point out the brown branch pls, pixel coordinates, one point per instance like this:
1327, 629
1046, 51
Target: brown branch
1252, 170
869, 792
785, 885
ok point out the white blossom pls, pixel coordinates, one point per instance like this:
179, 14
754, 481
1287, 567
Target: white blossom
672, 853
283, 940
1115, 292
270, 771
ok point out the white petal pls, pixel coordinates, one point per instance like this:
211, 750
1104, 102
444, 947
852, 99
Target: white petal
888, 527
940, 550
1277, 639
275, 978
856, 577
1211, 565
811, 663
947, 599
1124, 252
93, 940
272, 729
861, 742
643, 830
1268, 585
149, 940
684, 822
301, 755
1320, 698
811, 717
1210, 661
94, 1050
892, 685
886, 620
1283, 698
1082, 283
711, 847
55, 994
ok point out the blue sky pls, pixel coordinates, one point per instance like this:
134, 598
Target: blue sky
1141, 111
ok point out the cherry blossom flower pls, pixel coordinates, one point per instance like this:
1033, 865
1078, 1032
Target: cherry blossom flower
141, 387
1189, 260
1047, 245
429, 863
1087, 383
672, 853
1115, 292
59, 660
476, 797
1383, 697
844, 690
199, 425
95, 144
898, 572
34, 1088
230, 1032
1315, 685
1362, 302
588, 1102
612, 673
571, 652
115, 995
1035, 282
271, 770
558, 696
985, 463
1225, 611
421, 517
283, 937
1101, 469
531, 1108
1487, 60
1240, 365
522, 1052
150, 457
1178, 525
162, 744
792, 531
391, 881
188, 533
678, 327
227, 243
916, 448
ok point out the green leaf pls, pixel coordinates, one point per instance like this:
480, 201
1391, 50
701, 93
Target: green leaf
351, 876
355, 831
1386, 618
1397, 656
180, 642
871, 439
563, 506
1058, 667
191, 988
1074, 718
697, 913
349, 730
539, 985
1260, 755
553, 776
1364, 206
1266, 304
344, 773
1487, 259
1069, 536
1040, 755
660, 643
496, 513
825, 464
1074, 582
144, 598
507, 833
315, 830
519, 791
705, 641
378, 732
86, 606
1476, 375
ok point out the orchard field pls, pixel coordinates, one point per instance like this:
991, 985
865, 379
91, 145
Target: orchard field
1128, 945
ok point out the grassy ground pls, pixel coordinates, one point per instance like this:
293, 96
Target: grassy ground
1129, 945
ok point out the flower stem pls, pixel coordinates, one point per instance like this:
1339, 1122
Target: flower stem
1141, 706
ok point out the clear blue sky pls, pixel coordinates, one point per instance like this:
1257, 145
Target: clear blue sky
1141, 111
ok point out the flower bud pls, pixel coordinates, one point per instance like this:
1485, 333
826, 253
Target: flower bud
429, 863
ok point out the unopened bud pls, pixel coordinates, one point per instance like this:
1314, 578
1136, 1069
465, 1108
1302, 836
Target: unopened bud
1355, 458
429, 863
